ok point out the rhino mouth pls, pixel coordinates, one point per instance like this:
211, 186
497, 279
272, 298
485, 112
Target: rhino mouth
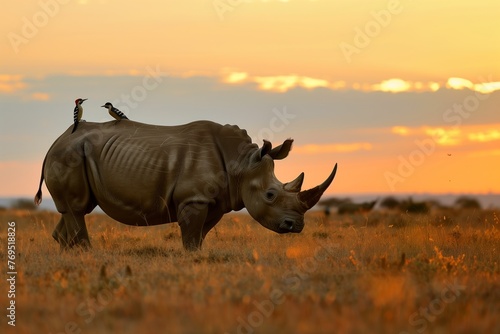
290, 226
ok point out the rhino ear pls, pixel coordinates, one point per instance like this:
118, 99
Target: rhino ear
281, 152
261, 152
265, 149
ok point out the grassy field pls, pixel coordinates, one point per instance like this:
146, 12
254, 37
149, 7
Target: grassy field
376, 273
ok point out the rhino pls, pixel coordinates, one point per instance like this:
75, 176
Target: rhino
141, 174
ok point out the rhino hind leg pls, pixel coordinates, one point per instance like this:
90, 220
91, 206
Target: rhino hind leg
71, 231
60, 232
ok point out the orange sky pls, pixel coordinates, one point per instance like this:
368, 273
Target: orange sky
415, 40
367, 45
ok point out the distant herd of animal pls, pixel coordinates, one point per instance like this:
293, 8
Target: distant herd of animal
141, 174
346, 206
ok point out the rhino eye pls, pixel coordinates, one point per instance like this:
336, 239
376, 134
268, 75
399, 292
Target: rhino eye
270, 195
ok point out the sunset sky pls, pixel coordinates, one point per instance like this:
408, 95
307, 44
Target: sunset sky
403, 95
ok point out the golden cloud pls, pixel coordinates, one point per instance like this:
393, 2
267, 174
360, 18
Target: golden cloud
484, 136
392, 86
434, 86
279, 83
11, 83
313, 83
444, 137
459, 83
235, 77
452, 136
40, 96
487, 87
400, 130
282, 83
484, 87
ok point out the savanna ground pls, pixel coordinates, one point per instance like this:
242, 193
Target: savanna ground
376, 273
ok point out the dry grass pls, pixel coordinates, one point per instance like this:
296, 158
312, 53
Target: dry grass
381, 273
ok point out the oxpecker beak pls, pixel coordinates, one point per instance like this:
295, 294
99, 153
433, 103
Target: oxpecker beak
310, 197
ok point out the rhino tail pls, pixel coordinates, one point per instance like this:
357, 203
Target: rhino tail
38, 196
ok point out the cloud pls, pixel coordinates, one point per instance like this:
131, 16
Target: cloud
400, 130
40, 96
487, 87
11, 83
399, 85
452, 136
332, 148
279, 83
236, 77
434, 86
442, 136
445, 137
484, 136
484, 87
282, 83
393, 86
459, 83
313, 83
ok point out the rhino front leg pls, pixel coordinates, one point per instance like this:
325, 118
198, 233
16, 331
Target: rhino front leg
191, 220
209, 224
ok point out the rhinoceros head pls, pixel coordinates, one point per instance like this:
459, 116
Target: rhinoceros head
277, 206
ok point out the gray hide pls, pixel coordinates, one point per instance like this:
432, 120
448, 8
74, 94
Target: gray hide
142, 175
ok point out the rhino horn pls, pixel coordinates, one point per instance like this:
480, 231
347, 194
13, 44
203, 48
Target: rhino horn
295, 185
310, 197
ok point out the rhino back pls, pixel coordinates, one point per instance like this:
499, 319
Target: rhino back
139, 172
